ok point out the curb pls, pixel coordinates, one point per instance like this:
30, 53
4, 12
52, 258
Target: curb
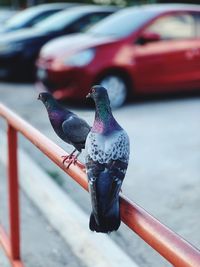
66, 216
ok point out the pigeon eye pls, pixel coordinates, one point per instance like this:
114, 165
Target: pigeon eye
93, 90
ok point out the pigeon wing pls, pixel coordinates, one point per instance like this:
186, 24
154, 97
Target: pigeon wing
105, 181
75, 130
116, 173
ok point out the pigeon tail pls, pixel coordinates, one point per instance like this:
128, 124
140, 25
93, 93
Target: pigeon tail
106, 223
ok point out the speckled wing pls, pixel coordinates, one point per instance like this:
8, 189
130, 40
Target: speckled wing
76, 130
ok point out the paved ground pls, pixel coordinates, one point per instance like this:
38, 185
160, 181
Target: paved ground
39, 240
163, 175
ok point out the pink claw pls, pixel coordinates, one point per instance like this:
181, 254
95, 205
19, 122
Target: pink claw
71, 159
66, 158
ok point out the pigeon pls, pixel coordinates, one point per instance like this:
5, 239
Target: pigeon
107, 155
67, 125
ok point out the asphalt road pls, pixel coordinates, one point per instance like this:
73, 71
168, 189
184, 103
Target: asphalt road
41, 245
164, 169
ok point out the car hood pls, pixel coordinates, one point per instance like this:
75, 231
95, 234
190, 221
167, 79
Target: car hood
72, 43
22, 35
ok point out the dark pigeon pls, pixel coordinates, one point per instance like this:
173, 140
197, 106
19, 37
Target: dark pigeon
67, 125
107, 155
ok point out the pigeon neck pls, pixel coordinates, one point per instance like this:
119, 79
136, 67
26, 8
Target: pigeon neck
104, 120
50, 106
56, 113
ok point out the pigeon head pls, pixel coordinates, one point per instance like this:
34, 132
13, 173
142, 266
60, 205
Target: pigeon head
104, 120
99, 94
45, 97
48, 100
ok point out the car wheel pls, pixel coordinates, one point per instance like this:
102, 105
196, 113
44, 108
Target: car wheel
117, 89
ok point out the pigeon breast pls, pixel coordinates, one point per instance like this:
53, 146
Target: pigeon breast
103, 148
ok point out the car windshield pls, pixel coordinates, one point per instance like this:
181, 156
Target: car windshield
122, 23
60, 20
22, 17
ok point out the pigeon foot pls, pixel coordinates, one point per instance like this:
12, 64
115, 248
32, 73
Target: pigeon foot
68, 157
71, 159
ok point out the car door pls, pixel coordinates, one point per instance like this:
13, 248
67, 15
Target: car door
167, 60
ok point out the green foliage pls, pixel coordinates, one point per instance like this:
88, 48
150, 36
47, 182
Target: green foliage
181, 1
24, 3
5, 3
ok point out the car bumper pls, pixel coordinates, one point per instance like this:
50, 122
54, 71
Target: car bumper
72, 83
7, 65
14, 65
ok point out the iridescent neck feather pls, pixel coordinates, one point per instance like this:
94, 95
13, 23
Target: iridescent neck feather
104, 121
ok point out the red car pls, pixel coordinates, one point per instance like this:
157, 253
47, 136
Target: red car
139, 50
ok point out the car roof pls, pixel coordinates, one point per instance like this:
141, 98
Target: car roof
53, 5
160, 8
93, 8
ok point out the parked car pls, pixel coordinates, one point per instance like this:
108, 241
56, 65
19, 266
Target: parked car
19, 50
30, 16
139, 50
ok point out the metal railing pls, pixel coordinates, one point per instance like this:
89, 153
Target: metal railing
171, 246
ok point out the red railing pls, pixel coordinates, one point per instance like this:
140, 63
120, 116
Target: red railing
171, 246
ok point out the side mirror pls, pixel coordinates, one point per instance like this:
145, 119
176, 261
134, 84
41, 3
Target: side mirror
148, 37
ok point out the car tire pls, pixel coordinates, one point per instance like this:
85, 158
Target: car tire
117, 89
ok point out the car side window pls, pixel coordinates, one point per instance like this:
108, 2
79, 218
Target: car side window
198, 25
42, 16
172, 27
89, 20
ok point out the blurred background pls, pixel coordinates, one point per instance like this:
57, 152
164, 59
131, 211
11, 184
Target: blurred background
147, 54
24, 3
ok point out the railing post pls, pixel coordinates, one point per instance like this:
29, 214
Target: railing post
13, 193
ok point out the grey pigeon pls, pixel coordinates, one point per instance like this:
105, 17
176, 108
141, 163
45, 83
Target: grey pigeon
67, 125
107, 155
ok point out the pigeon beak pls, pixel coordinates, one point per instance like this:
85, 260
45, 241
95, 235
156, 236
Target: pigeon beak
88, 95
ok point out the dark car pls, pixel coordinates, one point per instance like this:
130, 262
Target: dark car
19, 50
30, 16
140, 50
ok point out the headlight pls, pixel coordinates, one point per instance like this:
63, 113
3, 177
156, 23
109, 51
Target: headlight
80, 59
10, 48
